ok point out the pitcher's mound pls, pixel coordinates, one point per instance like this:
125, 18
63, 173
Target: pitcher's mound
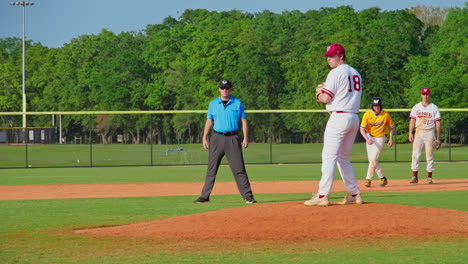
295, 221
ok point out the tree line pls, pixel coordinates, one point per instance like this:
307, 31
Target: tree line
274, 61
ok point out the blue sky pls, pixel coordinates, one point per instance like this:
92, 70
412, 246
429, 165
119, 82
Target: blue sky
55, 22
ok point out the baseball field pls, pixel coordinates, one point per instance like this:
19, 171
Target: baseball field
146, 215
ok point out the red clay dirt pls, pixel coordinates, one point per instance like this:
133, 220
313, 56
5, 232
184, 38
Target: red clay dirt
107, 190
295, 221
273, 221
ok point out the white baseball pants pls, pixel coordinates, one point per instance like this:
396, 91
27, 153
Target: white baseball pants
423, 137
338, 141
373, 154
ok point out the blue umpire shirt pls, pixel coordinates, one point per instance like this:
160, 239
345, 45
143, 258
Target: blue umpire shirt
226, 119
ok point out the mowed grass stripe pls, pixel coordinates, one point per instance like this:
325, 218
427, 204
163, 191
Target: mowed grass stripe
289, 172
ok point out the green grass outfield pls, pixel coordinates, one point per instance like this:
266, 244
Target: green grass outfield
39, 231
78, 155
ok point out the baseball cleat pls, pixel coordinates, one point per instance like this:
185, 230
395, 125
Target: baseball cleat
352, 199
383, 182
429, 180
202, 200
250, 200
414, 180
368, 183
317, 201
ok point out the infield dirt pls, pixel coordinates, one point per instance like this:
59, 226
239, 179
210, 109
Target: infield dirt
291, 221
147, 189
295, 221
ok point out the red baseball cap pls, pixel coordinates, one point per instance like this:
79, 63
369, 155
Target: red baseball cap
334, 49
425, 91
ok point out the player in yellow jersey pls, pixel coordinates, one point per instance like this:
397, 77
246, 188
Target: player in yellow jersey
374, 130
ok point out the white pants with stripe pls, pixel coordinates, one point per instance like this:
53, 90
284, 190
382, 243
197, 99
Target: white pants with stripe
423, 137
373, 154
338, 141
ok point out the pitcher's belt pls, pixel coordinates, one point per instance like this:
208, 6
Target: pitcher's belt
341, 112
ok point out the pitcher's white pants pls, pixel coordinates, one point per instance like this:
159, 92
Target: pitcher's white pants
373, 154
338, 141
423, 137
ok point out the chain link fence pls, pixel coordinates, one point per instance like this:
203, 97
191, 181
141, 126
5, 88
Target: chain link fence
159, 138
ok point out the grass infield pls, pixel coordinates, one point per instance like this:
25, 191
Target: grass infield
286, 172
39, 231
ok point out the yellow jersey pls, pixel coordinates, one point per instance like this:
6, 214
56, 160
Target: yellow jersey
376, 126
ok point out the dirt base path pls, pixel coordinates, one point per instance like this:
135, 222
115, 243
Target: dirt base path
63, 191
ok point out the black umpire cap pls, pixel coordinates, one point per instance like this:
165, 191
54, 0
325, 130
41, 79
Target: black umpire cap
225, 83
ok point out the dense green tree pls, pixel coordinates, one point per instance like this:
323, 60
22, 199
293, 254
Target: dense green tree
163, 44
274, 61
11, 75
387, 43
11, 79
444, 70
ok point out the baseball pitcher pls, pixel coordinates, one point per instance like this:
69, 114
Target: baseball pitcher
374, 130
425, 116
341, 92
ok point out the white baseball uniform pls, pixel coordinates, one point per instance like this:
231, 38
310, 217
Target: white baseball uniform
424, 136
344, 86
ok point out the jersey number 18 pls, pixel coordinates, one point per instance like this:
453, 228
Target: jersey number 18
357, 83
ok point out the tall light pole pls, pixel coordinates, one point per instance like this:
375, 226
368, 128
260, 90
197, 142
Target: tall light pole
24, 4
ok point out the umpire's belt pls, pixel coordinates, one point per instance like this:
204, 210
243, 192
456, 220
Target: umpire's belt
232, 133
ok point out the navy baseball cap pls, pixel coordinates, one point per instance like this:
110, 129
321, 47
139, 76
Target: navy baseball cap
376, 101
225, 83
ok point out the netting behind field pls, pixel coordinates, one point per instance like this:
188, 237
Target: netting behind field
150, 138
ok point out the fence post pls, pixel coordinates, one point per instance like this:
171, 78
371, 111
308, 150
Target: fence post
151, 139
26, 139
271, 139
60, 122
90, 140
395, 137
449, 141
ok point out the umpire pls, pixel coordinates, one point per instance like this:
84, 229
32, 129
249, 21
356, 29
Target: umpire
223, 116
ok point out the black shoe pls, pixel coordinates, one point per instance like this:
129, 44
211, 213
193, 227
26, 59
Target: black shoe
383, 181
250, 200
202, 200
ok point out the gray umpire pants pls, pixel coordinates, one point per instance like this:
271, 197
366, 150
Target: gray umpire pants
230, 146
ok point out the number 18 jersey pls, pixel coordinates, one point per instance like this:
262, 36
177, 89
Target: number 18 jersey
344, 86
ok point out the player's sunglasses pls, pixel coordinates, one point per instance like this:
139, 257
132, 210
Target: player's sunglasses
224, 88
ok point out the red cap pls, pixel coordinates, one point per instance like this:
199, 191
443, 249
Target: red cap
425, 91
334, 49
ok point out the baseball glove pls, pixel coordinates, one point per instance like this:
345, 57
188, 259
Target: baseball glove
436, 144
318, 91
